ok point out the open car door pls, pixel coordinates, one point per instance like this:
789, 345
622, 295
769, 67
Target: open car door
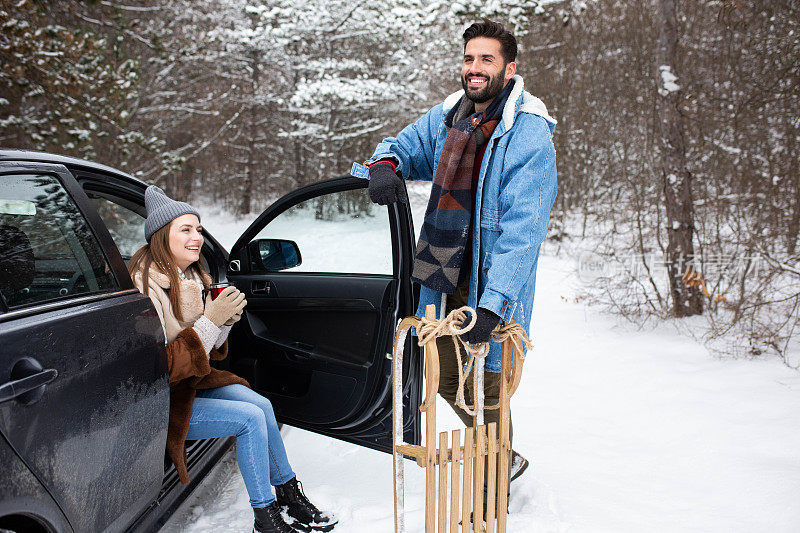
327, 274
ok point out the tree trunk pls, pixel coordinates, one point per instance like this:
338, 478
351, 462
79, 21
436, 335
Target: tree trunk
252, 117
792, 174
299, 174
186, 182
247, 185
686, 300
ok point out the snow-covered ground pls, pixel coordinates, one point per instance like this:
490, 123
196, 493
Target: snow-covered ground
626, 430
359, 243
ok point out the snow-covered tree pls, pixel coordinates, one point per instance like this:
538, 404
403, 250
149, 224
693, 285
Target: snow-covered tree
65, 88
322, 79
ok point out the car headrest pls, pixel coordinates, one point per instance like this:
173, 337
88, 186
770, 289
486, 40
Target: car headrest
17, 267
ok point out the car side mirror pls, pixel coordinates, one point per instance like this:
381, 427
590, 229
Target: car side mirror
273, 255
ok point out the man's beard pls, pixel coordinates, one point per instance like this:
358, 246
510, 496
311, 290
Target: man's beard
494, 86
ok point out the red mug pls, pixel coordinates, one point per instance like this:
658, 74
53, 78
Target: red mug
216, 289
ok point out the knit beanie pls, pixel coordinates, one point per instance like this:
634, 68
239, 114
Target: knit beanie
161, 210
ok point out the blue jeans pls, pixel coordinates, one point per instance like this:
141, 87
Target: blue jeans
237, 410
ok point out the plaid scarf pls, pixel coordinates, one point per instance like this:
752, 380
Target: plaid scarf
445, 230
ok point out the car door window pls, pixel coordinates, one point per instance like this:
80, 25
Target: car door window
125, 225
341, 232
47, 250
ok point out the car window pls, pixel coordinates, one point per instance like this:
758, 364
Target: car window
125, 225
47, 249
340, 232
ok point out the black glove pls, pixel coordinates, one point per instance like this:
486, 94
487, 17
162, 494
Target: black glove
482, 330
385, 186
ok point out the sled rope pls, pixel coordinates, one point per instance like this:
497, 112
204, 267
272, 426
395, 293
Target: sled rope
455, 325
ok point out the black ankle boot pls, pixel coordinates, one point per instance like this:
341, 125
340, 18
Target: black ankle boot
290, 496
518, 465
269, 520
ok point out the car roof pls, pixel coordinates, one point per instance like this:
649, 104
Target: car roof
10, 154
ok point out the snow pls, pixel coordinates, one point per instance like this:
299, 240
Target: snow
668, 80
626, 430
357, 244
359, 91
360, 243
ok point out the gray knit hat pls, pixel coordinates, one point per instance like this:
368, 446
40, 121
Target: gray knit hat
161, 210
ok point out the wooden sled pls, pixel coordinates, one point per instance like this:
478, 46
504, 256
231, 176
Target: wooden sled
465, 460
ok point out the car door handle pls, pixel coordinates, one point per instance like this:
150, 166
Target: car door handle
309, 348
18, 387
301, 352
265, 287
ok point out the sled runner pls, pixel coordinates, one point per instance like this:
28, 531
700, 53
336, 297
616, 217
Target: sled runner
482, 444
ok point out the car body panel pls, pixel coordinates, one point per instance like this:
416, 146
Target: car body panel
107, 410
24, 495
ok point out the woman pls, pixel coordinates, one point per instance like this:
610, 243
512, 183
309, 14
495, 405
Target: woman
206, 402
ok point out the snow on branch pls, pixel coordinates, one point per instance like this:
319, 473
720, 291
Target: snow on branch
668, 81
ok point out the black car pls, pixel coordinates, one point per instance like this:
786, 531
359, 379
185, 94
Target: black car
84, 394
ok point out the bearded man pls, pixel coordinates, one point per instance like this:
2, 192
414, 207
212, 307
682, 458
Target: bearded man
489, 151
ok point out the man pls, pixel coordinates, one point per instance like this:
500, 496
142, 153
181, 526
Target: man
489, 151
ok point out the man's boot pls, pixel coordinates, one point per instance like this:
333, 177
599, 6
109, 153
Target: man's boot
518, 465
269, 520
307, 517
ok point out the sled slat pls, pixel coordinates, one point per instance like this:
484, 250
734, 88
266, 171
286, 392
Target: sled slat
477, 508
455, 468
491, 483
443, 482
429, 407
411, 451
466, 506
505, 441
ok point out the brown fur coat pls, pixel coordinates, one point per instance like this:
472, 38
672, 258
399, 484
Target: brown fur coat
189, 366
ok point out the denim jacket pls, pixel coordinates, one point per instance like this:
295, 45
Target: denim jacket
516, 189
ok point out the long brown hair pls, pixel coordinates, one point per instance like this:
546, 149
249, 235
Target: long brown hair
157, 252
